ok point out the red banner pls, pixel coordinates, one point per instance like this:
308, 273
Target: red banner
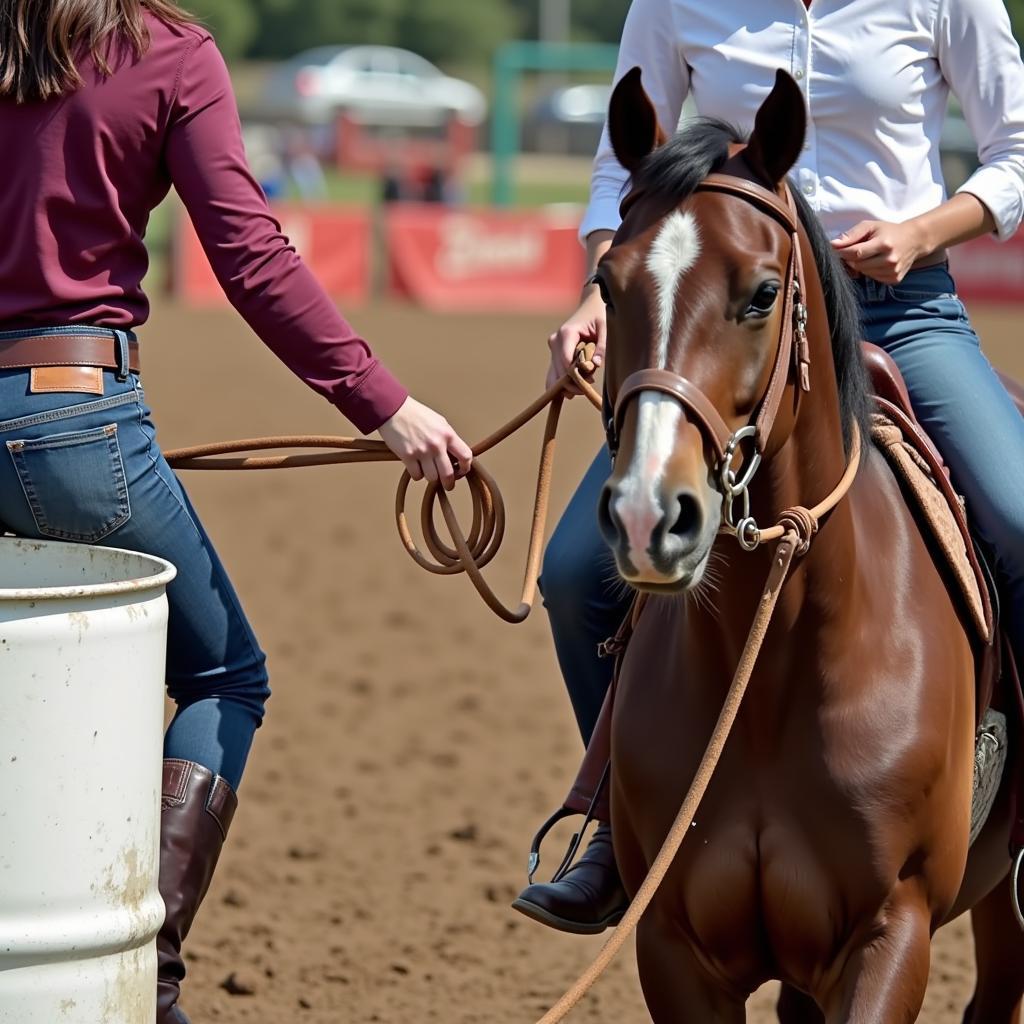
333, 241
492, 261
989, 271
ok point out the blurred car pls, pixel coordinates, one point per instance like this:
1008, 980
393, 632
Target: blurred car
378, 84
571, 119
567, 120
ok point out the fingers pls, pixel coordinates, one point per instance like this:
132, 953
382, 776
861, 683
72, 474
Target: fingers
858, 233
437, 458
886, 266
602, 343
462, 453
444, 472
880, 268
563, 346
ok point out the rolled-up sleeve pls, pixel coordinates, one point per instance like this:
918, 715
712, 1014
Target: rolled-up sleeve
649, 42
981, 62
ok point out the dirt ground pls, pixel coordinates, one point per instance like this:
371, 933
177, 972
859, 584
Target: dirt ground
413, 742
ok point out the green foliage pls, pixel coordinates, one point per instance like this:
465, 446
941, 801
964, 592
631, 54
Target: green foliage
462, 31
233, 22
1016, 9
441, 30
455, 30
599, 20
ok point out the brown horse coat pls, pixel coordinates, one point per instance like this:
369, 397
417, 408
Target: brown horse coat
834, 837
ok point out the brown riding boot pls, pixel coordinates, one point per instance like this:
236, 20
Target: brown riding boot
587, 899
196, 811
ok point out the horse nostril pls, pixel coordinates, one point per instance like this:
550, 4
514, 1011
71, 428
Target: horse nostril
688, 517
608, 521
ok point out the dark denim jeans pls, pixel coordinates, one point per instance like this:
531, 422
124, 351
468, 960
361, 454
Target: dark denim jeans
957, 397
87, 468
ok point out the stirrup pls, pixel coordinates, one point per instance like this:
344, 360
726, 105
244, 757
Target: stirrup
577, 840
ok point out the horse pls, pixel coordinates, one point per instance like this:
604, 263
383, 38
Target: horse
833, 839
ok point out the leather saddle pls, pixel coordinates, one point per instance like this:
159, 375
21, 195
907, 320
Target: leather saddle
998, 681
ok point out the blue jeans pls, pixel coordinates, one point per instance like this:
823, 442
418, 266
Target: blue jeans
86, 468
958, 399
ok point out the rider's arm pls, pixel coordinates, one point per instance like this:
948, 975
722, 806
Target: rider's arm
981, 61
273, 289
650, 42
256, 265
597, 243
957, 220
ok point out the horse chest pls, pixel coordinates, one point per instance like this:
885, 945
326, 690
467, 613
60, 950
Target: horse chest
808, 821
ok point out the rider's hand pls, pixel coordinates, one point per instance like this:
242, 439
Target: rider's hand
588, 324
425, 443
881, 250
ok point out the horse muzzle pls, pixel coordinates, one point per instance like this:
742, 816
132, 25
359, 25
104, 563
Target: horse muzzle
661, 540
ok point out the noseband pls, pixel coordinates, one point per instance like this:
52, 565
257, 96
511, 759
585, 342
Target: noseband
793, 353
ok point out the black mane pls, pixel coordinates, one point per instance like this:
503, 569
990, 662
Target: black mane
700, 148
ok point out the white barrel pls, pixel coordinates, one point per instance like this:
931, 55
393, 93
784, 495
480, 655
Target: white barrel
83, 636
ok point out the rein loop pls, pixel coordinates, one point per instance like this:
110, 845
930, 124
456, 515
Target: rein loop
467, 553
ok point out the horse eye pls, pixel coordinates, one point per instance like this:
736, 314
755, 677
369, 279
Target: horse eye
602, 287
764, 300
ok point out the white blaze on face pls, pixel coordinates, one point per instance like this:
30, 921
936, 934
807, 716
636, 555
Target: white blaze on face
638, 505
674, 251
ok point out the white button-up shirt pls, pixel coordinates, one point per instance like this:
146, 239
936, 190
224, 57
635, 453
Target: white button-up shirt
876, 75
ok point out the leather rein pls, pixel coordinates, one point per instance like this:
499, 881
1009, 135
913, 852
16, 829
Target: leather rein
467, 552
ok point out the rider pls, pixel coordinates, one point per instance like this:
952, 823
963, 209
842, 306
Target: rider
104, 104
876, 78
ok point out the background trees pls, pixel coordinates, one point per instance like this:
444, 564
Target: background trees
464, 32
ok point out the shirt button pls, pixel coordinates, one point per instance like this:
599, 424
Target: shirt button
799, 74
808, 189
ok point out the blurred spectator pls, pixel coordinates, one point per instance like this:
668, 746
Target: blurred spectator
302, 165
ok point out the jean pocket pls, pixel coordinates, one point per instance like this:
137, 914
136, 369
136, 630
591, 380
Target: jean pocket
74, 483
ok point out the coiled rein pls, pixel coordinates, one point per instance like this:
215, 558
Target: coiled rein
467, 553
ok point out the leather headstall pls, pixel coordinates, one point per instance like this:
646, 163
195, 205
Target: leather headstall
793, 353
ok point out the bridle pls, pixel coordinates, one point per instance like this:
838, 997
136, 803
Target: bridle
793, 353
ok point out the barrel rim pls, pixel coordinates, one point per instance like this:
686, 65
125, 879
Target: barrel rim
163, 573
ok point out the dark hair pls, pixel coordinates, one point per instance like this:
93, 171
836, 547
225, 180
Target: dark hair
700, 148
42, 41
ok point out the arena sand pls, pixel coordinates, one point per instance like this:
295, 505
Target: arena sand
413, 742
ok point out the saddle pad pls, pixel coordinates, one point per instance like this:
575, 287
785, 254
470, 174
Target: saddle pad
912, 471
989, 763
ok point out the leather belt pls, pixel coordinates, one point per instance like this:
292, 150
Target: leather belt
932, 259
65, 350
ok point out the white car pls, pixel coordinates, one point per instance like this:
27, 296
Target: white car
378, 84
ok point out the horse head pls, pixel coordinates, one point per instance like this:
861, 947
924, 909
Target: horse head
707, 354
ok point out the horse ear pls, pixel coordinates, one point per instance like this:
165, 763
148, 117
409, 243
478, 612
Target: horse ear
632, 122
779, 130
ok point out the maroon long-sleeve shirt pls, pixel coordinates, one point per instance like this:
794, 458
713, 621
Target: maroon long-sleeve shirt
81, 174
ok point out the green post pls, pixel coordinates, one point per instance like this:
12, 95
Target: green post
504, 125
510, 62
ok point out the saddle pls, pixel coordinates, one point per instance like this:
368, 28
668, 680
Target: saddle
941, 514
